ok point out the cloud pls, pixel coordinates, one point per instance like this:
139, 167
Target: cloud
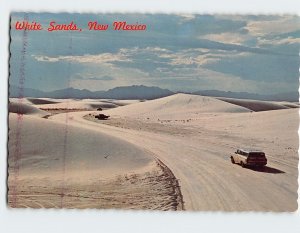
226, 37
282, 24
183, 57
187, 17
87, 58
205, 79
278, 41
90, 77
270, 68
260, 31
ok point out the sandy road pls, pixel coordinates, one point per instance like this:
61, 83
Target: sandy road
207, 178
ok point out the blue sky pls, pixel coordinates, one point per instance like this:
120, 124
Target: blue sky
258, 54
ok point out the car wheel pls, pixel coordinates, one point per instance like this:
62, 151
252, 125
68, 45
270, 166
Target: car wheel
232, 160
242, 164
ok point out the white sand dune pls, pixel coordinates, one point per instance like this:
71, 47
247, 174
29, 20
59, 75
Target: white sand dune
26, 109
289, 104
79, 105
83, 149
54, 164
179, 106
38, 101
120, 102
258, 105
20, 100
197, 152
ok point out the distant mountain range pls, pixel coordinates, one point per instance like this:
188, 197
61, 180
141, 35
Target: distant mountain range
142, 92
128, 92
288, 96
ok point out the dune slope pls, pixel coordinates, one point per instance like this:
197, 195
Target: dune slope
181, 105
79, 105
258, 105
54, 164
38, 101
26, 109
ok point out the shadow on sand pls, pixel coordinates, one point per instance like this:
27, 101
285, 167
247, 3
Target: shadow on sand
266, 169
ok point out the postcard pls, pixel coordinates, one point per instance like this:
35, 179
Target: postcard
167, 112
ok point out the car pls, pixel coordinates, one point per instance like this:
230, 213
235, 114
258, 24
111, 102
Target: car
102, 117
249, 157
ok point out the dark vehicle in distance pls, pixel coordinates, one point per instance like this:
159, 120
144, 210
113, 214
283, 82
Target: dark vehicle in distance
102, 117
249, 157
